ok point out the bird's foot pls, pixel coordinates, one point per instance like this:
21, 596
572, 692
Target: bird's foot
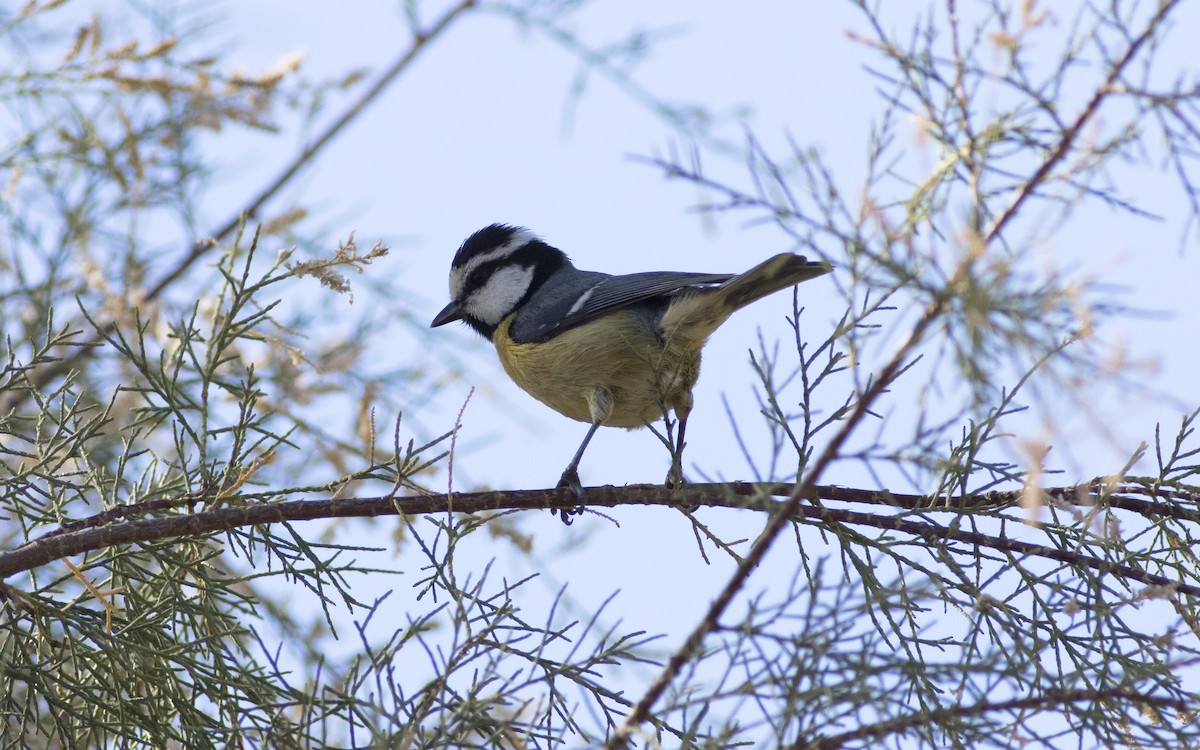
570, 480
676, 481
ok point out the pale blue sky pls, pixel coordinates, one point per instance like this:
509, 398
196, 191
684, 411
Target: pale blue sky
479, 131
483, 128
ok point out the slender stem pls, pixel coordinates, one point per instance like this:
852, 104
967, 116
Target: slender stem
1071, 133
779, 520
1048, 701
201, 247
420, 40
641, 710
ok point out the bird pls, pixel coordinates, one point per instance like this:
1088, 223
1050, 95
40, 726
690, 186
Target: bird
607, 350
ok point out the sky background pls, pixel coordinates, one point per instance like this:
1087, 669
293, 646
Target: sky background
483, 128
482, 131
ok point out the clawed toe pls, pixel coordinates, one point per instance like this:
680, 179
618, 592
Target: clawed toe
675, 479
570, 480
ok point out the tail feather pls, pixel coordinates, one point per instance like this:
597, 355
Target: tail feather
770, 276
692, 317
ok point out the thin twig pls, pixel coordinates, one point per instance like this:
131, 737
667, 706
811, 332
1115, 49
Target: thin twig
1050, 700
306, 155
1071, 133
691, 645
420, 40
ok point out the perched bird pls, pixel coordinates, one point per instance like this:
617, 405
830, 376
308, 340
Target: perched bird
620, 351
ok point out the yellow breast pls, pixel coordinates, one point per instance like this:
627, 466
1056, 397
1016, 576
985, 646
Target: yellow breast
616, 356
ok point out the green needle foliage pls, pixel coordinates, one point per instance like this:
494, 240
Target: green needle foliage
191, 425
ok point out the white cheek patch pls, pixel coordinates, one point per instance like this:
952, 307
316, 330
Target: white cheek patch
499, 296
459, 275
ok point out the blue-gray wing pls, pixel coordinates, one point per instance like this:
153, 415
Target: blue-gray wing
602, 294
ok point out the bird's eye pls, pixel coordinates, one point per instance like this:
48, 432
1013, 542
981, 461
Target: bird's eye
477, 278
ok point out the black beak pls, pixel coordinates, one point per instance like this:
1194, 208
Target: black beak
449, 314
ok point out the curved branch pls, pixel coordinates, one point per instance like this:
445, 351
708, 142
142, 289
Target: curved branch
746, 495
1048, 701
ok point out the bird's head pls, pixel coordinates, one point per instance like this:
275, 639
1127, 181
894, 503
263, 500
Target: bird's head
493, 273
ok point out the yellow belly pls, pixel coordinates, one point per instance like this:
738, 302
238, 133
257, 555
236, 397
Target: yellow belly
626, 368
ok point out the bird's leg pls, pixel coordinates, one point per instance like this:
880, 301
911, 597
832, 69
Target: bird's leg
600, 404
570, 478
682, 408
675, 478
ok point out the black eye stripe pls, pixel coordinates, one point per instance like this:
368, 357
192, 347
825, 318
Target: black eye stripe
479, 277
539, 256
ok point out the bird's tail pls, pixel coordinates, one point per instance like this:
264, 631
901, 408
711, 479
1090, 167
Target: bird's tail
783, 271
692, 317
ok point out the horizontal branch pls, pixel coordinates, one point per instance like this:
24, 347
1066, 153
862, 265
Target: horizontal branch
1049, 701
82, 537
